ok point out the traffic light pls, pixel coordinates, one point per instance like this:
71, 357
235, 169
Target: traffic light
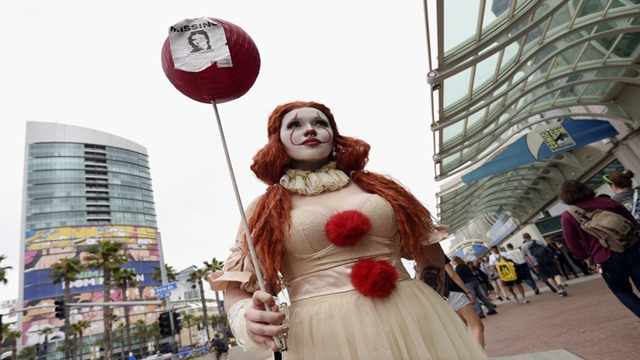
59, 309
177, 323
165, 324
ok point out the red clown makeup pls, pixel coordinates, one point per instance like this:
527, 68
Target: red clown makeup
307, 138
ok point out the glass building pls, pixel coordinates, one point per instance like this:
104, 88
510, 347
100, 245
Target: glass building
527, 94
82, 186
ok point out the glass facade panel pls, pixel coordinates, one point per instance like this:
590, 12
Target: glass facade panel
55, 149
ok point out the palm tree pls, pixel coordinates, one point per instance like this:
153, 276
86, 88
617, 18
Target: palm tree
46, 332
5, 330
214, 320
108, 257
65, 271
3, 270
125, 279
121, 327
13, 336
154, 331
141, 333
27, 353
196, 278
188, 320
212, 267
172, 275
78, 328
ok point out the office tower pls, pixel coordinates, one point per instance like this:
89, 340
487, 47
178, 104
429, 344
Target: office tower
82, 186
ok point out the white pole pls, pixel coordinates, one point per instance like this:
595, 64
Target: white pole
243, 216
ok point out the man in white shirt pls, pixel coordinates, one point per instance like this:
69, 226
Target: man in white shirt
494, 258
522, 269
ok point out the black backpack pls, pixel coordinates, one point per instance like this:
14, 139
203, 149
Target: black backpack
542, 254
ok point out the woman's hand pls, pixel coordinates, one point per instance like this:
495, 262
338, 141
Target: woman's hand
263, 325
471, 298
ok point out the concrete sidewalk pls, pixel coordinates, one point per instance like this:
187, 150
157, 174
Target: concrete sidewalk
590, 323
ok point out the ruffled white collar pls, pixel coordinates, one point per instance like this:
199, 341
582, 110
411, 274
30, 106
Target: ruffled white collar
327, 178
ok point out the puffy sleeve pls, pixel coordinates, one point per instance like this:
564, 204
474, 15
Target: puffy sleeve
439, 233
239, 266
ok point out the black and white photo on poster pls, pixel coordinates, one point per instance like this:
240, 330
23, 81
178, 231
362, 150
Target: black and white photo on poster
197, 44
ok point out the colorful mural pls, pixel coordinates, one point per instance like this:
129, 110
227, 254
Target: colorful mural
43, 248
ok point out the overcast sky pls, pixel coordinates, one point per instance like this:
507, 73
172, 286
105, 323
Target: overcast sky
97, 65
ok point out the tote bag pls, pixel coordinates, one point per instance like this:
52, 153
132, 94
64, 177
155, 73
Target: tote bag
506, 270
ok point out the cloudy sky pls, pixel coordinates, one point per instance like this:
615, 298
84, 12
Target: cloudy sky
97, 65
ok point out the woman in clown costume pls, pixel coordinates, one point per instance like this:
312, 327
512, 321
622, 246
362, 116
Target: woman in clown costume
337, 234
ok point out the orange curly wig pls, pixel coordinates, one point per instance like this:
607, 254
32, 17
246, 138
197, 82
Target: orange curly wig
270, 221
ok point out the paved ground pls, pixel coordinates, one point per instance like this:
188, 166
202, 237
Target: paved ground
588, 324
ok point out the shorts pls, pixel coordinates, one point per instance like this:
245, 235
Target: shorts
548, 270
512, 283
458, 300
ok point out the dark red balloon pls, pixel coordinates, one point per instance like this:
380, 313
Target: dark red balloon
213, 83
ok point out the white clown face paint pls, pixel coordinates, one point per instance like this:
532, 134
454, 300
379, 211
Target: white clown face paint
307, 138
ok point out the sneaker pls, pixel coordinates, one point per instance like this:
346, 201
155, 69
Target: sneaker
525, 301
560, 294
500, 298
515, 299
482, 316
536, 291
507, 299
561, 290
492, 312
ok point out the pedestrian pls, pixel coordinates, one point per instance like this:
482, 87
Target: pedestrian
546, 266
494, 259
494, 280
220, 347
472, 284
522, 269
616, 268
562, 259
481, 276
462, 300
327, 225
620, 184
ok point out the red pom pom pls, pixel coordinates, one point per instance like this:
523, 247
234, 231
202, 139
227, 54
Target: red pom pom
375, 278
347, 228
213, 83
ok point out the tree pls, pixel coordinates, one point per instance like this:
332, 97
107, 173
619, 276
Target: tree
46, 332
121, 328
106, 256
214, 320
172, 275
5, 330
125, 279
212, 267
154, 331
3, 270
13, 336
196, 278
141, 333
78, 328
65, 271
188, 320
27, 353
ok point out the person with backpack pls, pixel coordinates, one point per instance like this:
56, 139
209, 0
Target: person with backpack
620, 184
616, 267
221, 347
543, 262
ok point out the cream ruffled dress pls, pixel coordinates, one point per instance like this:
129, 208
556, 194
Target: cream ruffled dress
329, 319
